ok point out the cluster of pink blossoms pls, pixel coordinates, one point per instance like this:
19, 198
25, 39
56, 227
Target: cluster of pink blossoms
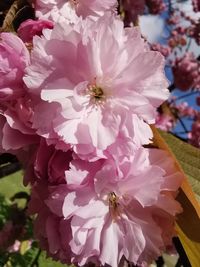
186, 71
76, 109
196, 5
164, 122
194, 135
163, 49
134, 8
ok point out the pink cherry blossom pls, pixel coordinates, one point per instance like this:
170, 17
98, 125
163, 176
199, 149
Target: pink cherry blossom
196, 5
14, 57
58, 10
194, 31
15, 247
16, 107
194, 135
122, 208
30, 28
128, 203
96, 91
186, 72
16, 125
184, 109
164, 122
163, 49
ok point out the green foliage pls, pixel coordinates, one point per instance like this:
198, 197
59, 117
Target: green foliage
4, 210
12, 184
48, 262
26, 260
29, 254
188, 157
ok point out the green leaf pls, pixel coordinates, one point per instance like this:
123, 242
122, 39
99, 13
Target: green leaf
31, 254
12, 184
48, 262
187, 160
4, 210
188, 157
24, 246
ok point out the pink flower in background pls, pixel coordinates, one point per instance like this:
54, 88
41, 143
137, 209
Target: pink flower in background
15, 247
177, 40
196, 5
194, 135
186, 72
14, 57
155, 6
132, 10
164, 122
163, 49
96, 91
184, 110
58, 10
30, 28
194, 30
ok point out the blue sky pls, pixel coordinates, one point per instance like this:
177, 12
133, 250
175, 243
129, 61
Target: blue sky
153, 28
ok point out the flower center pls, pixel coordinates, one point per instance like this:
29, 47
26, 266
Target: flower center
112, 197
96, 93
114, 205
